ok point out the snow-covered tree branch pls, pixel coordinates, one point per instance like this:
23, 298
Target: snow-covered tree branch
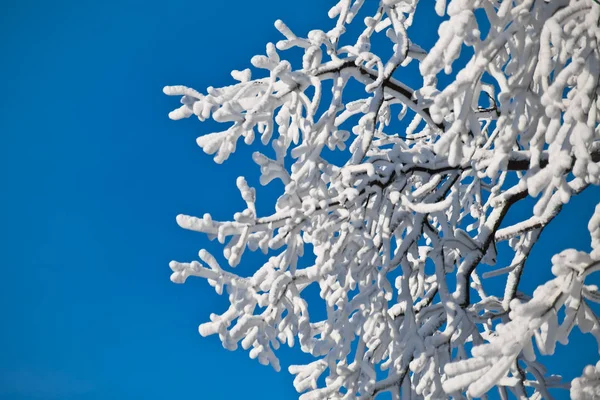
400, 226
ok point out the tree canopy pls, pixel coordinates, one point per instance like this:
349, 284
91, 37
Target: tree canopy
400, 221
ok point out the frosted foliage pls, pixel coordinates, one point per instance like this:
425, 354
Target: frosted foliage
587, 387
403, 217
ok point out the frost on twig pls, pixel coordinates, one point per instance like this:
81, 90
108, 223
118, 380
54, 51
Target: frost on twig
587, 386
400, 229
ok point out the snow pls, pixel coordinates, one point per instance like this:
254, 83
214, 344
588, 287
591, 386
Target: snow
436, 193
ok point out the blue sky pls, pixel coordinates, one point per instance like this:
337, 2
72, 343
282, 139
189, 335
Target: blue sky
93, 175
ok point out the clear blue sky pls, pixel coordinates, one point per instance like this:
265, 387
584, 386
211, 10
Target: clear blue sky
93, 174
